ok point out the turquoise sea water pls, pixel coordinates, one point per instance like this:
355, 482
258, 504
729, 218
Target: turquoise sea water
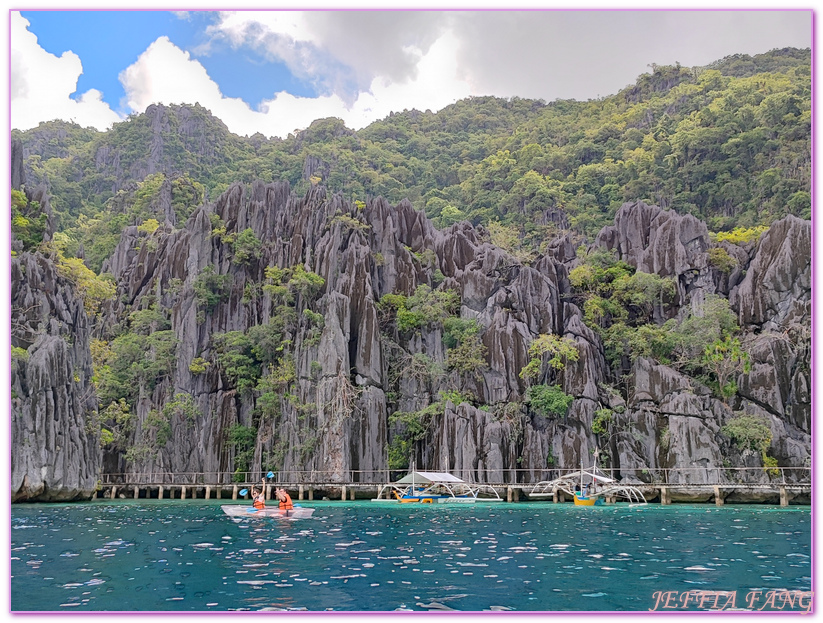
382, 556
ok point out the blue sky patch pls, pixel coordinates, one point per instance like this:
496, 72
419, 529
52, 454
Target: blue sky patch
108, 42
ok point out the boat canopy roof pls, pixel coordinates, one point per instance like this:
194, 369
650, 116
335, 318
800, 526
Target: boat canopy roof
592, 474
428, 478
598, 477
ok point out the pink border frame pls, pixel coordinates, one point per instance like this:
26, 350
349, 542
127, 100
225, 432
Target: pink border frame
816, 375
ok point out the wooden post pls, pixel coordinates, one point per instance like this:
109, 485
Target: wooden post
208, 492
218, 492
113, 491
351, 494
267, 490
718, 499
343, 495
300, 492
784, 497
664, 496
183, 492
311, 493
160, 492
136, 492
234, 493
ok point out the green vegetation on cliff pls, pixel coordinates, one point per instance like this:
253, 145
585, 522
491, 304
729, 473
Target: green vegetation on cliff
282, 368
729, 143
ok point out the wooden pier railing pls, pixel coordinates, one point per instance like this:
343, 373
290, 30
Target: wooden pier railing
665, 484
686, 476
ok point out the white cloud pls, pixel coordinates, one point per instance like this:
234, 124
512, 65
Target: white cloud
166, 74
277, 35
250, 27
41, 85
341, 52
586, 54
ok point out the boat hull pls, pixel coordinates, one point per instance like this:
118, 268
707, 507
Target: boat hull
431, 499
585, 501
239, 511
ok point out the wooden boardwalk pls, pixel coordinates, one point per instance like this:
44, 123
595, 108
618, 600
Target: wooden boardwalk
685, 485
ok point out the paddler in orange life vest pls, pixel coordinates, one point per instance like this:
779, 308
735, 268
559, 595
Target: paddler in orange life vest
259, 497
285, 499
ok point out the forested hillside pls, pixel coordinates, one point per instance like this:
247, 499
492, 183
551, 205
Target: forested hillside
633, 284
729, 143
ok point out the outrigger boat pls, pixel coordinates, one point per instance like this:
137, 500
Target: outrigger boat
435, 487
589, 487
239, 511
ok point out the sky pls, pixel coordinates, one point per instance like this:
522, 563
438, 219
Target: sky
274, 72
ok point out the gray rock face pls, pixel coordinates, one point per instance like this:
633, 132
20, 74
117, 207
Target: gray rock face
665, 243
678, 424
775, 294
657, 241
55, 451
354, 374
772, 299
18, 173
338, 422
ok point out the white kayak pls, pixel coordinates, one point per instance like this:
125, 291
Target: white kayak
238, 511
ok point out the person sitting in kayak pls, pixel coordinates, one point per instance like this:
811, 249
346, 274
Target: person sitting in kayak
259, 497
285, 500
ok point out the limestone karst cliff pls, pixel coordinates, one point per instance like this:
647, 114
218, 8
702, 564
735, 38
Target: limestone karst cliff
239, 326
313, 335
331, 366
55, 450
